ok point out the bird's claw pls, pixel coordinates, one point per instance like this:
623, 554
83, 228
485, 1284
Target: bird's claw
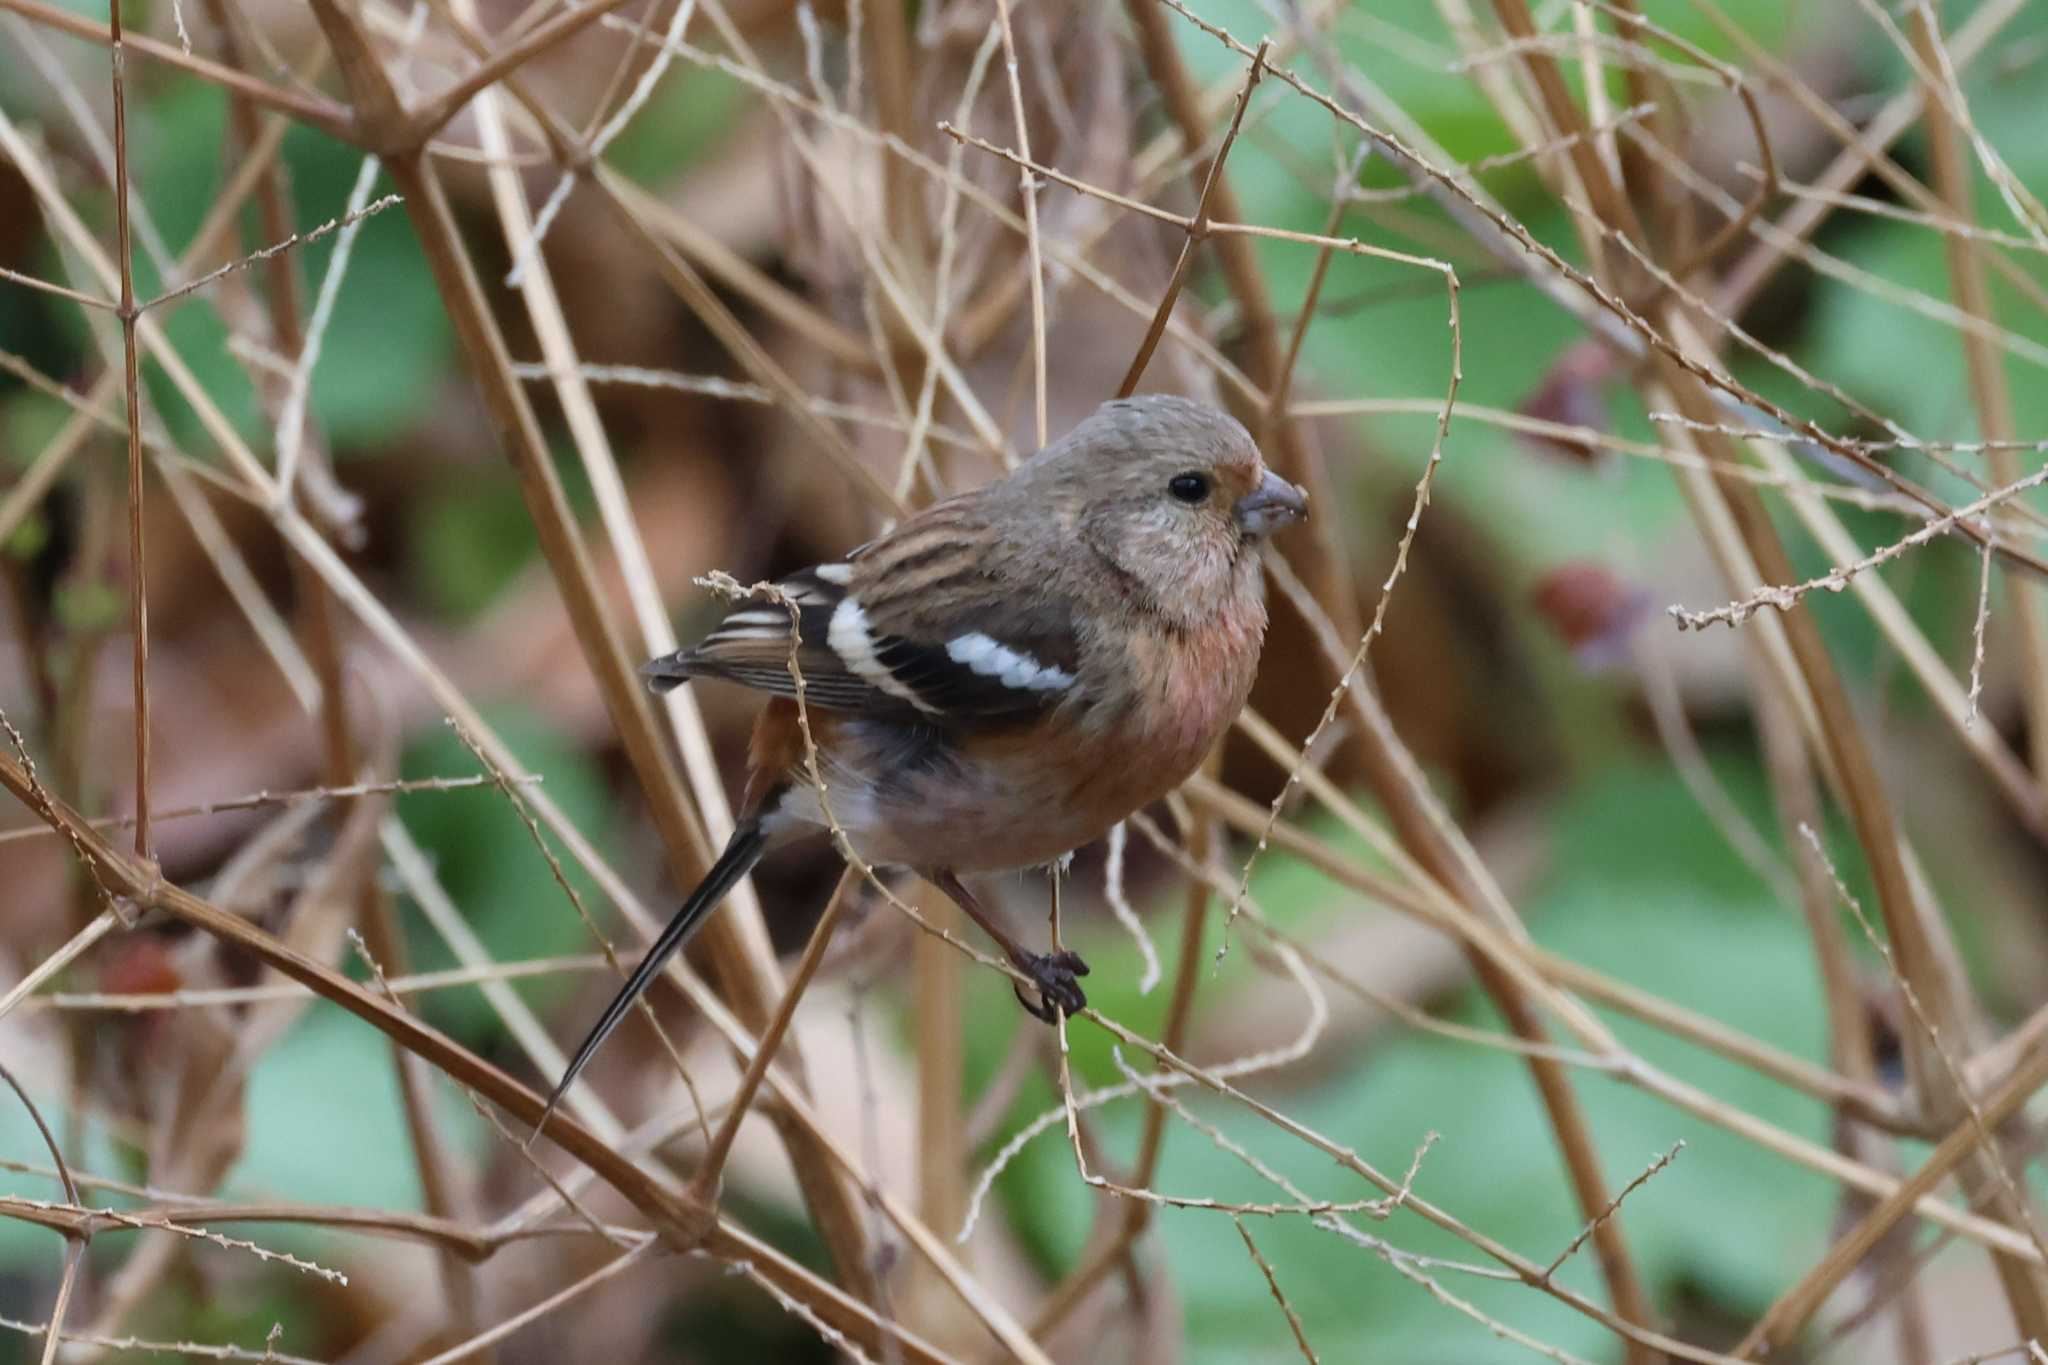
1054, 974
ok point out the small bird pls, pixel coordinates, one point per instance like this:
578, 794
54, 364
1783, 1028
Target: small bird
1006, 674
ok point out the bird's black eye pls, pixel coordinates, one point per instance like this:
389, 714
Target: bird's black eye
1189, 488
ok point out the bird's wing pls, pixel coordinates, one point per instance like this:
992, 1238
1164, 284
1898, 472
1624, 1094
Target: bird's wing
930, 622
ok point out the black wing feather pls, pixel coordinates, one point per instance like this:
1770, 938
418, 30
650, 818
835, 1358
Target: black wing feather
924, 633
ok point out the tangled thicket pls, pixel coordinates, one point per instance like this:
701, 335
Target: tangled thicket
1537, 971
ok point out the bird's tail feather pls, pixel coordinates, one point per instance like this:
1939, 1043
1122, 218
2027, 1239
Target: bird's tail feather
742, 851
669, 671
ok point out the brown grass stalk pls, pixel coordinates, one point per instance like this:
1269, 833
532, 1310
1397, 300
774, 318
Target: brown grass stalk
328, 117
1925, 957
1863, 152
1842, 740
95, 929
938, 988
727, 267
473, 1244
2009, 776
1602, 191
691, 287
1322, 560
138, 579
1523, 1269
1114, 1241
743, 971
1990, 389
1279, 1297
1926, 961
1196, 226
1028, 191
75, 1238
1396, 782
679, 1220
1805, 1297
441, 1188
704, 1185
30, 489
1248, 817
420, 124
1593, 303
321, 557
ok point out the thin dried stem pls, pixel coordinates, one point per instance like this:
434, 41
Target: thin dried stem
1118, 900
737, 942
416, 127
1027, 187
1195, 226
1977, 633
138, 581
413, 984
95, 929
1613, 1207
1804, 1298
1273, 1284
1114, 1241
570, 1292
59, 291
1634, 1070
315, 112
273, 251
258, 800
1784, 597
677, 1220
1990, 390
706, 1181
75, 1239
53, 1332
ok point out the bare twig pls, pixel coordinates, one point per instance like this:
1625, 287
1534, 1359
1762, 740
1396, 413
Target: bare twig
260, 799
1784, 597
276, 249
95, 930
138, 583
1196, 228
1273, 1284
313, 111
1641, 1179
1977, 633
1028, 189
74, 1239
1990, 391
705, 1182
1120, 906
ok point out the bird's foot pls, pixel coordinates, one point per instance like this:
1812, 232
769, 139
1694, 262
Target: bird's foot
1054, 974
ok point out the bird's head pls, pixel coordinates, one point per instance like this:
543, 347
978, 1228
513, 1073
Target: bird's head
1172, 494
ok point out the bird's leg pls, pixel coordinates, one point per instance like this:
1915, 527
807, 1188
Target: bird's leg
1055, 974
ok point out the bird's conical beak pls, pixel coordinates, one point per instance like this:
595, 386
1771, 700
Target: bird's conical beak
1273, 504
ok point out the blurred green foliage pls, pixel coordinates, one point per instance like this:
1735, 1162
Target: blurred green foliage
1641, 888
485, 858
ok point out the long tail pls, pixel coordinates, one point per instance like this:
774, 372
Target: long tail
742, 851
670, 671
